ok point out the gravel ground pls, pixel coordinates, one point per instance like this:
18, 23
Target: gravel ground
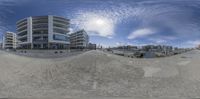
97, 74
50, 55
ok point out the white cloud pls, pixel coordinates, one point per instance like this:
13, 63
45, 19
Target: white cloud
143, 11
95, 24
141, 33
120, 44
148, 13
12, 2
158, 40
124, 44
194, 43
99, 26
71, 30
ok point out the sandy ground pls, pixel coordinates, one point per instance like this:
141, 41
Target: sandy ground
99, 74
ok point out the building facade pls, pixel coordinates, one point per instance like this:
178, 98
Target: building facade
157, 48
198, 47
79, 40
43, 32
9, 41
1, 45
92, 46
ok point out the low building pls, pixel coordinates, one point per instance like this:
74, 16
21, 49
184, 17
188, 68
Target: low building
9, 41
157, 48
79, 40
43, 32
92, 46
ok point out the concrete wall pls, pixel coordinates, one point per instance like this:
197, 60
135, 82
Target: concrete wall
29, 30
50, 28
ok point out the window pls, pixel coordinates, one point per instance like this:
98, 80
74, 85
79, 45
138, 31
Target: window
40, 26
60, 37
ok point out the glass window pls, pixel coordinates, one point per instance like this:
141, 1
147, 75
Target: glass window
60, 37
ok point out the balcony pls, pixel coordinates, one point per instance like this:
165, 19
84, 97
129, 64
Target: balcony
21, 21
40, 35
21, 41
39, 32
40, 26
40, 17
61, 24
21, 37
22, 28
36, 24
25, 25
60, 30
22, 31
61, 21
22, 24
40, 21
21, 34
40, 29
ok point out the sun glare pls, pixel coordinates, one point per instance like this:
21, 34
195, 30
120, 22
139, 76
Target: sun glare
100, 22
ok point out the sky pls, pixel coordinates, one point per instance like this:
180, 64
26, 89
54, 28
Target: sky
116, 22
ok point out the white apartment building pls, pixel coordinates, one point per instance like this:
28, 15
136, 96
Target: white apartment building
43, 32
9, 41
79, 40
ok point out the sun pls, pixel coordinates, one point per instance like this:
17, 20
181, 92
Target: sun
98, 25
100, 22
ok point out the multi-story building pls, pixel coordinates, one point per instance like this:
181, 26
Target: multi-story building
92, 46
9, 41
43, 32
79, 40
1, 45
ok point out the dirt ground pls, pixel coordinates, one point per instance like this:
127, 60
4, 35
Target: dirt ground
98, 74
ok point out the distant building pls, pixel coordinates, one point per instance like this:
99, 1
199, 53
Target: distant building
1, 45
92, 46
157, 48
127, 48
43, 32
150, 48
79, 40
9, 41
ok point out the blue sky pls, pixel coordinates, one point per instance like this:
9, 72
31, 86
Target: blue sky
116, 22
